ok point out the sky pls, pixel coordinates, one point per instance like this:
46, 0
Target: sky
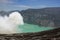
9, 5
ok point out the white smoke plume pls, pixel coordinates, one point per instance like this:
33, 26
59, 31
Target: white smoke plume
8, 25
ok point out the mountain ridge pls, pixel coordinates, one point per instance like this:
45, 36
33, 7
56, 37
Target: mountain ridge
44, 17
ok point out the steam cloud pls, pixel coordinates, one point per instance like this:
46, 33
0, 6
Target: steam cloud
8, 25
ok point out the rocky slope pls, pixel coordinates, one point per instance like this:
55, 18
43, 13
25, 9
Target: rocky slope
45, 17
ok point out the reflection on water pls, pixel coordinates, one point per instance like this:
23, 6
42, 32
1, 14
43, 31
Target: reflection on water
32, 28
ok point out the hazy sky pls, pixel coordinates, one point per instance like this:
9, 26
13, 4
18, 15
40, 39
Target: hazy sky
25, 4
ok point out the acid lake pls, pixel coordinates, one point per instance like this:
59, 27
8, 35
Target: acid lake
32, 28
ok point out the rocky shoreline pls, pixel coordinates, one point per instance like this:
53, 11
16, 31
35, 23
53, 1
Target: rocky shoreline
45, 35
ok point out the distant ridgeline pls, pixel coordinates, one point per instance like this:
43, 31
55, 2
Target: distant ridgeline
43, 17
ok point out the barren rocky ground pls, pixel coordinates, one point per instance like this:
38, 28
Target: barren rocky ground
45, 35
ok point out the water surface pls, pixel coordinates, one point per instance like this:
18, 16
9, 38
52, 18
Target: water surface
32, 28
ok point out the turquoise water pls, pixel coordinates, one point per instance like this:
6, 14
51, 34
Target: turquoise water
32, 28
